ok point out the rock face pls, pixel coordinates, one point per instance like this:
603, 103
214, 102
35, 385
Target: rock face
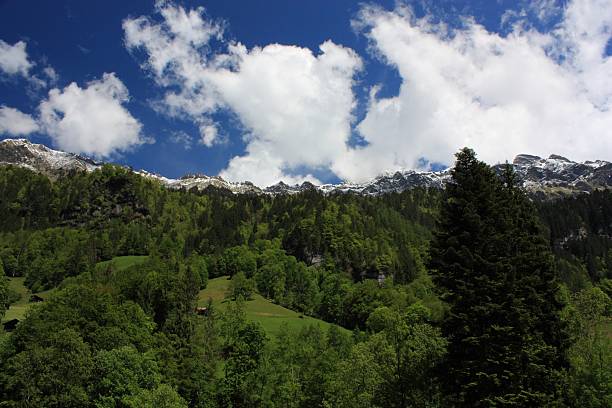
558, 175
547, 178
202, 182
37, 157
391, 183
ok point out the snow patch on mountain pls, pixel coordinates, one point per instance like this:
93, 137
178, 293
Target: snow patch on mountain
552, 175
38, 157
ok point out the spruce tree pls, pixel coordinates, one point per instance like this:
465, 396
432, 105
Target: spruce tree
495, 271
4, 292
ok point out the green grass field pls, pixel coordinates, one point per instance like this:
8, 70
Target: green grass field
122, 262
271, 316
19, 308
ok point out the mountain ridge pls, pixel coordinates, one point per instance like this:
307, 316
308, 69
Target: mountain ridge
555, 175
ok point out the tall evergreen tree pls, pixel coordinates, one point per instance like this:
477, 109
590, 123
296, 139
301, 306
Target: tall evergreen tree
506, 343
4, 292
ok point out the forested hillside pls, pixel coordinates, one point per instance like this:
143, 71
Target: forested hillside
580, 230
362, 263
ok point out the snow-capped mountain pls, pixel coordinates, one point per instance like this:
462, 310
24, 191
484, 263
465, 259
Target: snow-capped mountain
386, 183
559, 175
201, 181
543, 176
40, 158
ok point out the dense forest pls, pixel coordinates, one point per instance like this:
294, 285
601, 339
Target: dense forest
475, 296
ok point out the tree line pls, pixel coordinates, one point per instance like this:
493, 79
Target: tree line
457, 298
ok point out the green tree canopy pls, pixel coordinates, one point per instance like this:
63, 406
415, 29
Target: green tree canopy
506, 340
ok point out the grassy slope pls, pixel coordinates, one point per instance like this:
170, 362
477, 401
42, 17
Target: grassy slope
19, 308
259, 309
268, 314
122, 262
271, 316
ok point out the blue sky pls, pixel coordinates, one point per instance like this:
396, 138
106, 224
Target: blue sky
247, 90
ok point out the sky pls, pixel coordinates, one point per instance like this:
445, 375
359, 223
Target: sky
318, 90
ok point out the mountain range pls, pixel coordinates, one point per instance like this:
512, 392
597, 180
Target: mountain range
547, 177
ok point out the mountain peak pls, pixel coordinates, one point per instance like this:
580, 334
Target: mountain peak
38, 157
525, 159
554, 175
557, 157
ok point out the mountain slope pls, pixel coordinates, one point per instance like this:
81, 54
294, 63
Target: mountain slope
557, 174
544, 177
39, 158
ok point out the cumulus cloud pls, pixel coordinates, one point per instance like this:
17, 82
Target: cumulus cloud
581, 41
526, 92
14, 59
523, 91
297, 106
263, 166
294, 105
544, 10
176, 50
91, 120
13, 122
208, 134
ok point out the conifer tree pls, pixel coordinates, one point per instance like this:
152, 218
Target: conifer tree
506, 343
4, 292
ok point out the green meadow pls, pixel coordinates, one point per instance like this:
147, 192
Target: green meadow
271, 316
121, 262
18, 309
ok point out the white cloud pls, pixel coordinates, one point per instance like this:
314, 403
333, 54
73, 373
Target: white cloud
582, 38
51, 74
261, 166
501, 95
208, 134
182, 138
14, 59
36, 85
91, 120
176, 54
295, 106
16, 123
521, 92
